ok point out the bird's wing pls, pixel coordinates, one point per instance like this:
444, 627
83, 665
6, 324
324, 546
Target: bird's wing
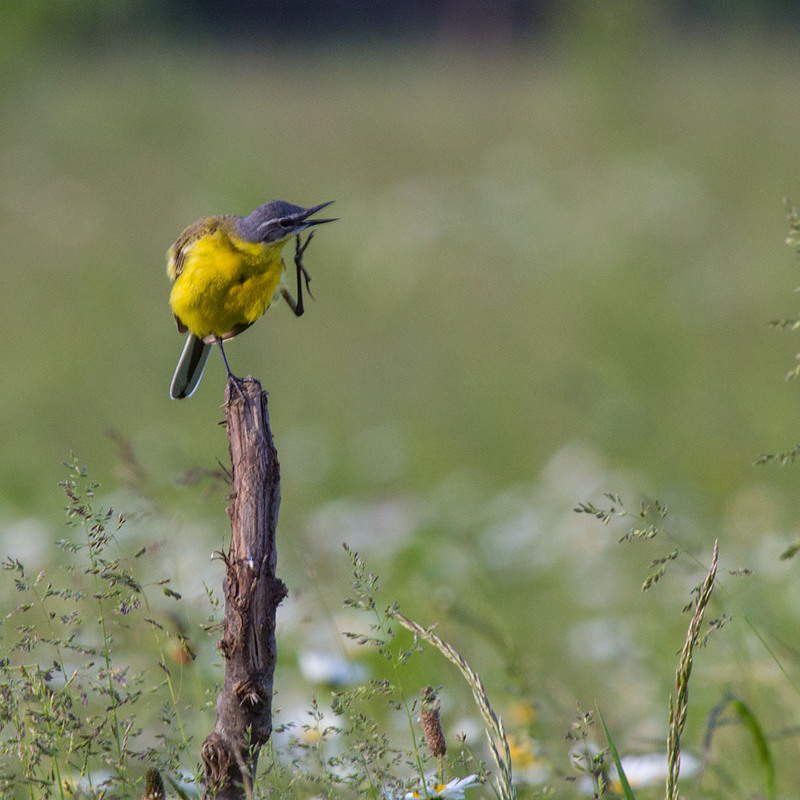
179, 252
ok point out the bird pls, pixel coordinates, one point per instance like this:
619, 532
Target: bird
226, 270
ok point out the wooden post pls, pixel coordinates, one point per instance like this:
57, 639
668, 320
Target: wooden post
252, 595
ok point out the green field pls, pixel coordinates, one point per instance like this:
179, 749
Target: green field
552, 277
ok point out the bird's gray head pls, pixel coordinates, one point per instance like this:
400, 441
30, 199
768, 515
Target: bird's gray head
278, 220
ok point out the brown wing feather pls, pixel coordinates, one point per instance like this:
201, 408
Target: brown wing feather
235, 331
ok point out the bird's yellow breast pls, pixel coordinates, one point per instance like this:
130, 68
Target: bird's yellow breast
221, 282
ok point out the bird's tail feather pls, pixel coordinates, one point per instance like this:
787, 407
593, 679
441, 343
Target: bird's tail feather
190, 368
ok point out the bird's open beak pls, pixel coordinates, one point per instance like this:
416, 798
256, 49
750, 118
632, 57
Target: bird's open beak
302, 217
314, 211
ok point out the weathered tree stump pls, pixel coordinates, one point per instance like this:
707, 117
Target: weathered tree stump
252, 594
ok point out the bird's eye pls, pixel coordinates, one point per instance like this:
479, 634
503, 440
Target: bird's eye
286, 222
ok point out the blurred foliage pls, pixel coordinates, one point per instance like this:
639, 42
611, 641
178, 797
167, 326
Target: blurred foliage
117, 23
566, 243
33, 23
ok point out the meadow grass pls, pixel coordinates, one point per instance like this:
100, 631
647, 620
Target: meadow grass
100, 696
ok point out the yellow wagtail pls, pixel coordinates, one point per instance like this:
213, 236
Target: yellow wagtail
226, 270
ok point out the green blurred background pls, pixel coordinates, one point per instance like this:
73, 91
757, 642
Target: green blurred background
561, 241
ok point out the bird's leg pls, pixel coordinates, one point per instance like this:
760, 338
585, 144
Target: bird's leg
231, 377
302, 272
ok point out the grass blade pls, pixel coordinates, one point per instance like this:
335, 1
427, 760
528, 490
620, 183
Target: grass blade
623, 780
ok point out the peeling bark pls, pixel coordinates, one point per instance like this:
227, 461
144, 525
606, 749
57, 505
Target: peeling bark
252, 594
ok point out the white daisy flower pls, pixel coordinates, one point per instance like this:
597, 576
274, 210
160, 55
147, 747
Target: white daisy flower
454, 790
